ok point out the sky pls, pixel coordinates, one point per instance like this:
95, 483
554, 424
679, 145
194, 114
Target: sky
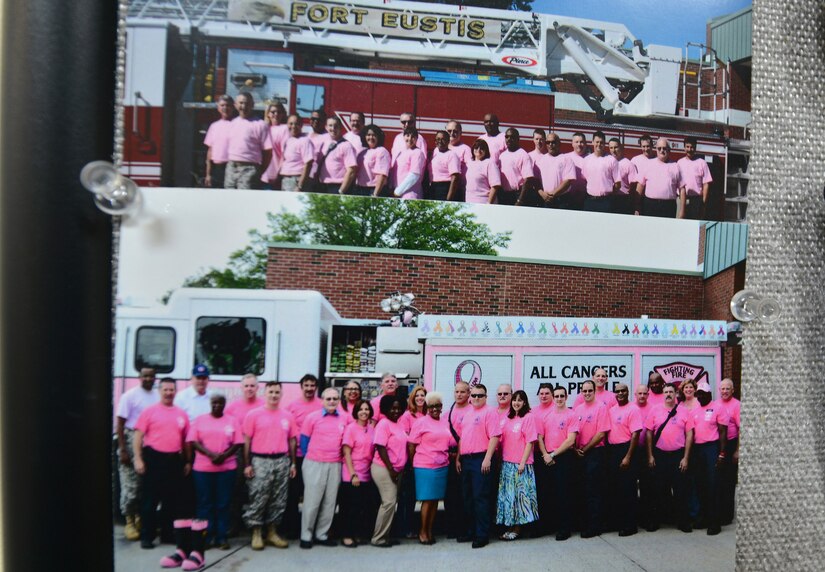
676, 22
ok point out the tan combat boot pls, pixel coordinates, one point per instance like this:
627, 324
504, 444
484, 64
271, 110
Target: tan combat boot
130, 531
273, 538
257, 539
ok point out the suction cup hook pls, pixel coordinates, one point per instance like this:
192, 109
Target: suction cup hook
114, 193
747, 306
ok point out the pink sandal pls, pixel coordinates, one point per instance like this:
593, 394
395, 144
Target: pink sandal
194, 562
173, 560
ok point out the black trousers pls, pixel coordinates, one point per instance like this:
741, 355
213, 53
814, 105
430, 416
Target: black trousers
672, 485
559, 495
164, 483
622, 499
454, 503
592, 481
659, 208
357, 509
291, 523
728, 475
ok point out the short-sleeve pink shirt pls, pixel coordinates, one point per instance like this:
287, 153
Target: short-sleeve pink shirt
627, 173
241, 407
557, 426
269, 430
433, 441
299, 409
326, 434
371, 163
360, 440
496, 144
554, 170
481, 177
592, 419
341, 158
515, 435
443, 166
411, 161
163, 427
516, 168
695, 173
601, 174
579, 184
731, 409
392, 437
707, 420
217, 435
624, 421
217, 139
278, 134
298, 151
247, 140
477, 427
661, 180
674, 435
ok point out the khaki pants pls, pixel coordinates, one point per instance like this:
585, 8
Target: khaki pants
389, 493
321, 482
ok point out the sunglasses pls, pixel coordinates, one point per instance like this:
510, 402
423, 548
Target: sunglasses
478, 395
503, 394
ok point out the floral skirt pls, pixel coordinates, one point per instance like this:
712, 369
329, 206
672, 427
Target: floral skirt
517, 500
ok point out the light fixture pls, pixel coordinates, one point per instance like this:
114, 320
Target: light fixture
114, 193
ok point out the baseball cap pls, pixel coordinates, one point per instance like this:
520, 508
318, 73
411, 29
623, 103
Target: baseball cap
200, 370
703, 386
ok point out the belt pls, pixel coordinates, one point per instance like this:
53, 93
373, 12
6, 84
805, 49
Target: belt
269, 455
660, 200
473, 455
245, 163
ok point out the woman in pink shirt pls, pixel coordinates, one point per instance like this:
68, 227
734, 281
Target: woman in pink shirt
356, 497
276, 120
445, 170
409, 166
373, 163
387, 465
483, 176
687, 395
216, 438
298, 157
517, 501
429, 445
350, 398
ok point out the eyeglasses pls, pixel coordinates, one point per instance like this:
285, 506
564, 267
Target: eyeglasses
560, 396
331, 399
405, 120
478, 395
352, 389
503, 394
435, 406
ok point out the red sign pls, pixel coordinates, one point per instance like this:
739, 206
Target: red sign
519, 61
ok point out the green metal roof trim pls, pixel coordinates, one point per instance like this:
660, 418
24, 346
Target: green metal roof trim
726, 244
483, 257
732, 35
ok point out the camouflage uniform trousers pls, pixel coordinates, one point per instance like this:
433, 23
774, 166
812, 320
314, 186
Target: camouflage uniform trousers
129, 480
267, 491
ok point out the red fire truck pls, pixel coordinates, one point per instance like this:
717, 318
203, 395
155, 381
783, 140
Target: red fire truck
385, 57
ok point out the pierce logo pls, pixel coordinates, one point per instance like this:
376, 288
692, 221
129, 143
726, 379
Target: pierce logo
520, 61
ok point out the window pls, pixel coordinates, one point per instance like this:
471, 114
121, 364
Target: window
308, 98
155, 348
231, 346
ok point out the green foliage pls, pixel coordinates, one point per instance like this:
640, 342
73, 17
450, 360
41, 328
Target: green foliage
357, 221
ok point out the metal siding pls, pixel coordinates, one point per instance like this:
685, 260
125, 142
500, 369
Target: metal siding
726, 244
732, 38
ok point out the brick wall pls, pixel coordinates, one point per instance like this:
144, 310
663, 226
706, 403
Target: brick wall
718, 290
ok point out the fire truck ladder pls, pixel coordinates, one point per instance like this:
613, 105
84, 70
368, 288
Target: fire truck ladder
715, 88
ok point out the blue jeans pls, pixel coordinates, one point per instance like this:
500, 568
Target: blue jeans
478, 489
214, 491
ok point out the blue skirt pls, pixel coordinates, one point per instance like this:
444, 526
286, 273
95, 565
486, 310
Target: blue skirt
517, 501
430, 484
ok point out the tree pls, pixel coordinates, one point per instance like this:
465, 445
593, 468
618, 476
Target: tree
357, 221
523, 5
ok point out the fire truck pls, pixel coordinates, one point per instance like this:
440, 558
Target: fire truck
386, 57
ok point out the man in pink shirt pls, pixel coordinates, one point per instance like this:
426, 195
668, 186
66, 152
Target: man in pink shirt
594, 424
603, 395
337, 161
623, 201
217, 143
389, 385
504, 395
318, 129
556, 174
642, 160
131, 405
578, 188
159, 457
709, 454
623, 439
247, 152
516, 171
248, 400
647, 490
479, 434
322, 435
300, 408
728, 469
462, 150
539, 148
660, 184
656, 385
270, 436
445, 170
669, 441
357, 121
454, 498
695, 172
407, 120
601, 171
494, 137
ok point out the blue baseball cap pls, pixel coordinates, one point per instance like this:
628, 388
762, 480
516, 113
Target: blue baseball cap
200, 370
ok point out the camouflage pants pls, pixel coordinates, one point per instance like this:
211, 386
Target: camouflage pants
129, 480
267, 491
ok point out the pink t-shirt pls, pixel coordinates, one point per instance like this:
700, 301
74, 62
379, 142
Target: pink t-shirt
465, 155
269, 430
360, 440
731, 410
376, 408
398, 145
606, 397
133, 402
662, 180
627, 173
408, 419
535, 156
496, 144
695, 174
433, 439
338, 161
476, 429
410, 161
318, 140
217, 435
217, 139
554, 170
241, 407
163, 427
654, 399
247, 140
481, 177
354, 139
391, 436
641, 161
326, 433
372, 162
643, 412
298, 151
706, 422
516, 167
557, 426
299, 409
579, 184
624, 421
278, 134
517, 432
443, 166
674, 434
601, 173
592, 419
457, 415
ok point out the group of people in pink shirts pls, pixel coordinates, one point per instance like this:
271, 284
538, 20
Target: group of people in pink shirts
605, 464
276, 153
